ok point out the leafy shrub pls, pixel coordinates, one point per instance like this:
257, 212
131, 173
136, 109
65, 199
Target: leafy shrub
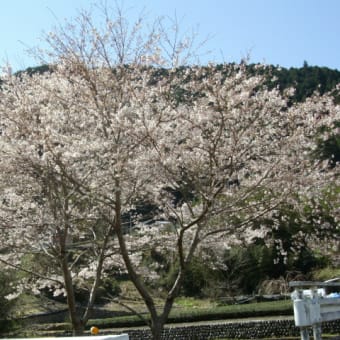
198, 279
107, 289
5, 289
326, 273
246, 267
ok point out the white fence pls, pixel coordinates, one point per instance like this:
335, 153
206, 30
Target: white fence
312, 306
96, 337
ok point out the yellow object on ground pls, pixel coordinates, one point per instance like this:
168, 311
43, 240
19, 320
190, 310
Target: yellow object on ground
94, 330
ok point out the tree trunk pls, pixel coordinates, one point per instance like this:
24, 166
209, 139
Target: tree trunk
157, 326
78, 327
77, 323
98, 276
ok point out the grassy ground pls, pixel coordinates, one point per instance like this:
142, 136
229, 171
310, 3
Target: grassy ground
185, 310
29, 304
195, 311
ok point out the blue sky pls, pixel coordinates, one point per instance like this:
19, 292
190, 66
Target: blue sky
278, 32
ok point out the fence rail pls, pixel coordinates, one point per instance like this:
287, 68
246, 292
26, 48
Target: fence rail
313, 305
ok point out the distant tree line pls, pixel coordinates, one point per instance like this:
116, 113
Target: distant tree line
305, 80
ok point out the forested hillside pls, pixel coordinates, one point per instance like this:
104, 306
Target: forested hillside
305, 80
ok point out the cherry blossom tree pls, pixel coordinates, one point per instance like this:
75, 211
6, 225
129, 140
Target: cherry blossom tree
116, 125
47, 209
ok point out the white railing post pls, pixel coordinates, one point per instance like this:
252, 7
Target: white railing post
304, 333
300, 315
317, 321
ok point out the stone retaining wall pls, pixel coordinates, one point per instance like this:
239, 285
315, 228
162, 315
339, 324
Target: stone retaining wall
214, 330
237, 330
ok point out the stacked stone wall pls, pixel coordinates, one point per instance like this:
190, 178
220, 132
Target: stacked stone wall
214, 330
234, 330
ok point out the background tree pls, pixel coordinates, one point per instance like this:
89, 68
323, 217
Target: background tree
43, 215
